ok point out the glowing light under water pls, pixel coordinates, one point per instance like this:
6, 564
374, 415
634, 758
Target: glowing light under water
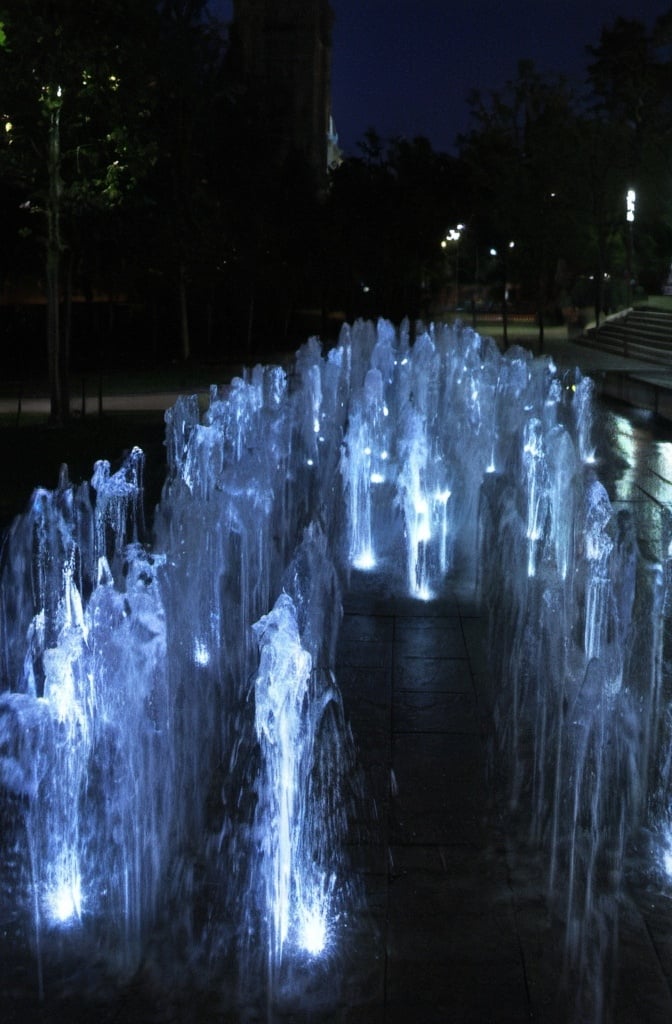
201, 653
365, 561
313, 931
64, 902
666, 853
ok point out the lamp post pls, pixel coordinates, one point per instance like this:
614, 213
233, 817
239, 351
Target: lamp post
454, 235
505, 293
630, 200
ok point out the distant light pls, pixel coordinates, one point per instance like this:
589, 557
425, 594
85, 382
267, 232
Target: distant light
630, 199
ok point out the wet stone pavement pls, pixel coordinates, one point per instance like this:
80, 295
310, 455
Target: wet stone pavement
460, 927
415, 686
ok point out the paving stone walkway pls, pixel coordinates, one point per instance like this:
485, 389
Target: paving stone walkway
414, 682
461, 928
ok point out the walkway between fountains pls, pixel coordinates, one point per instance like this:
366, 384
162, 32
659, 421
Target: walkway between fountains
414, 682
460, 929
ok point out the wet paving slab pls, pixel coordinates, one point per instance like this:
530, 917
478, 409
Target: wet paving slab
462, 931
436, 880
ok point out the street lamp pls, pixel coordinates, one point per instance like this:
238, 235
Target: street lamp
454, 235
505, 296
630, 200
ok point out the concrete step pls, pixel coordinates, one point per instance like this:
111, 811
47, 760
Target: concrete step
641, 334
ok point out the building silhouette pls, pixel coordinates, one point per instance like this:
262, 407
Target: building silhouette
283, 52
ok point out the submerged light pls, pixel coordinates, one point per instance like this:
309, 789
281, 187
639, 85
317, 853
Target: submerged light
365, 560
64, 902
201, 653
313, 931
665, 856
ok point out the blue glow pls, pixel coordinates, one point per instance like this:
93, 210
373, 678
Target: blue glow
64, 901
201, 653
313, 931
365, 561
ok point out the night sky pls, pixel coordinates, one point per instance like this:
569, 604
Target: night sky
405, 67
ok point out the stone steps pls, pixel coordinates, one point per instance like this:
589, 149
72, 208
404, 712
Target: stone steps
644, 334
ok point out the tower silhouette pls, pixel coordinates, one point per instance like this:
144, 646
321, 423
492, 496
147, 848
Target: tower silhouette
284, 53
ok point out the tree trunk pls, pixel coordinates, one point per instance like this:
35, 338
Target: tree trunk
541, 300
184, 314
53, 331
66, 334
57, 372
250, 319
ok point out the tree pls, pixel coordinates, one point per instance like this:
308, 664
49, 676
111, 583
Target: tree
630, 110
386, 214
521, 156
190, 86
75, 97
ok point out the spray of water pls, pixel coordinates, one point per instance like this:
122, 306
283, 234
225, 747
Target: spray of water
173, 744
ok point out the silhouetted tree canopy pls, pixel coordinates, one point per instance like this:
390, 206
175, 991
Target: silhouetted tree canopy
134, 167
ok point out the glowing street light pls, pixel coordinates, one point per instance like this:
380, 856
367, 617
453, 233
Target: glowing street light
454, 235
505, 297
630, 200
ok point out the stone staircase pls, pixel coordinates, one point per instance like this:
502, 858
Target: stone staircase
640, 333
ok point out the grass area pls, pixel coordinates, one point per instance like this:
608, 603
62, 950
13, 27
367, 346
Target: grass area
33, 453
128, 382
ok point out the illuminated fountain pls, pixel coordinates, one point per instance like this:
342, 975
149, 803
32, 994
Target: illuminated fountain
173, 747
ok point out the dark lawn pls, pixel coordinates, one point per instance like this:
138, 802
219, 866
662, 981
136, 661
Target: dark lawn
33, 452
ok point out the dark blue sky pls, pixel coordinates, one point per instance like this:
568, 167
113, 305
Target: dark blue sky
405, 67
